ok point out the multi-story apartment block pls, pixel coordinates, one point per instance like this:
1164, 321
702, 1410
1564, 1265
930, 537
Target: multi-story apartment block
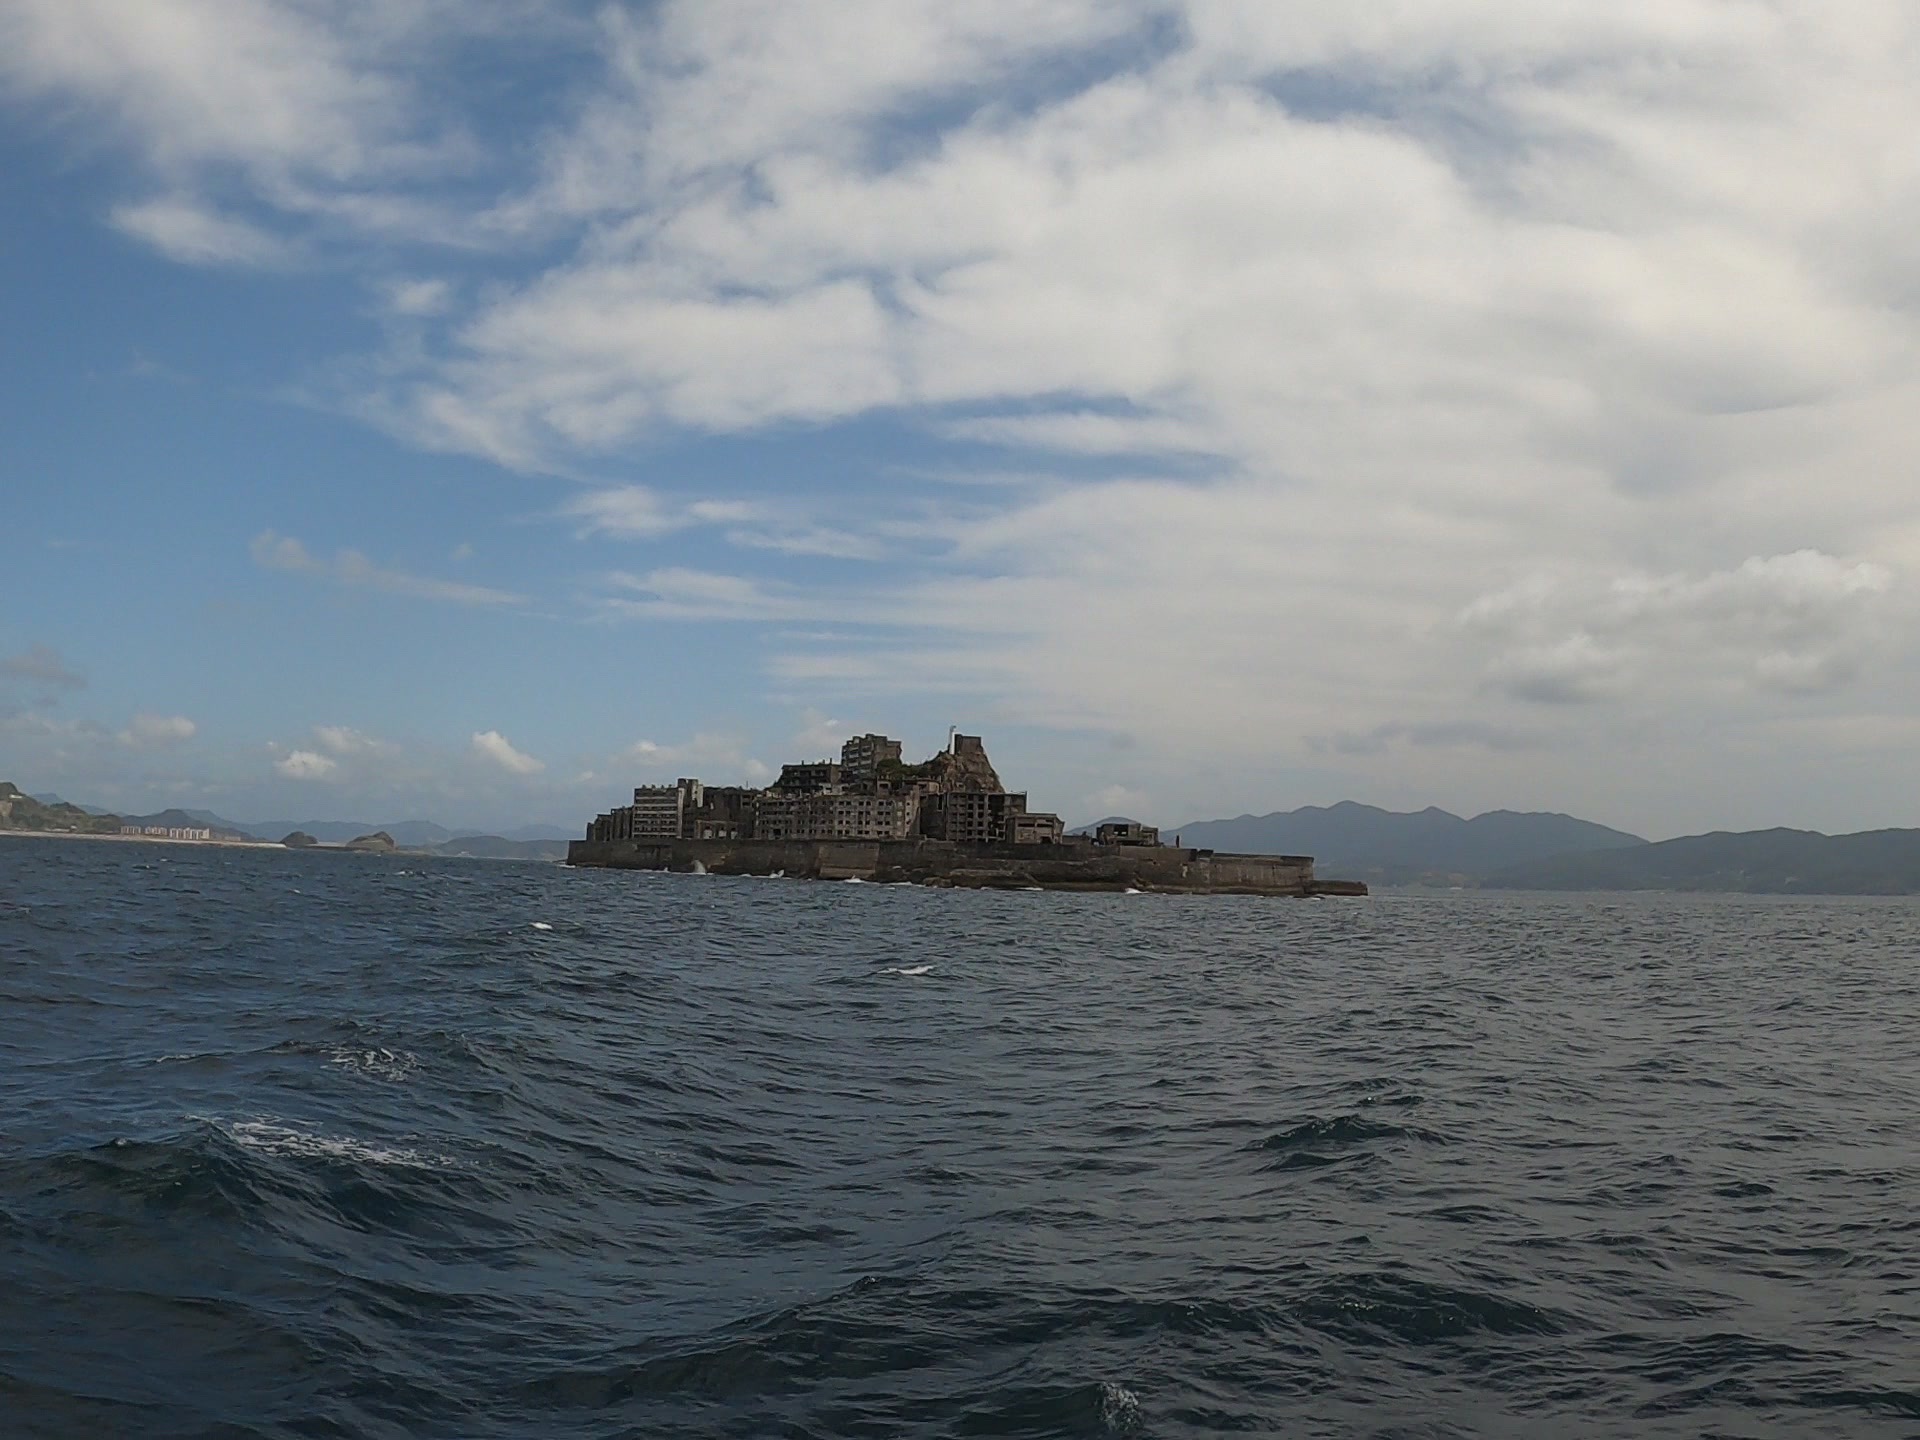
868, 794
811, 777
863, 755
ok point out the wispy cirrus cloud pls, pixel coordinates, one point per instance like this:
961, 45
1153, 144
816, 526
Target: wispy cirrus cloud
678, 592
186, 230
344, 740
637, 512
353, 569
148, 731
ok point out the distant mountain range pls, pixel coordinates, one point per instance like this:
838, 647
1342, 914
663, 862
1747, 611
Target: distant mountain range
1385, 847
1756, 862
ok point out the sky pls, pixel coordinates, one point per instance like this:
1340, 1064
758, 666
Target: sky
471, 409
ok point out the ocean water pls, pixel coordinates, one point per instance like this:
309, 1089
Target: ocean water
343, 1145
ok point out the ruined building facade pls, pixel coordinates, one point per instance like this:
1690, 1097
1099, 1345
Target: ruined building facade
870, 793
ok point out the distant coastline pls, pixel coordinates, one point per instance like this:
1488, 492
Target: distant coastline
1430, 850
457, 852
140, 839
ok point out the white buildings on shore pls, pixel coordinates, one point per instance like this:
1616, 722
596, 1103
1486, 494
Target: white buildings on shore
168, 832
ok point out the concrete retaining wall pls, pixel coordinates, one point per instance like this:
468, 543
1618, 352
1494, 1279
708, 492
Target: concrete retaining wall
930, 862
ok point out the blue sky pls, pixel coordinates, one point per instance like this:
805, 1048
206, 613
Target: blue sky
472, 410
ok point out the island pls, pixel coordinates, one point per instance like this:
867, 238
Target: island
946, 821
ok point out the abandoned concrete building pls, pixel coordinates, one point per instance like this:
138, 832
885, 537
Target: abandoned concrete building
869, 793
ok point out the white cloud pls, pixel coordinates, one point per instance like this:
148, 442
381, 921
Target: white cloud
305, 765
634, 512
629, 512
1801, 623
419, 299
592, 358
158, 732
1419, 303
819, 734
352, 568
317, 110
276, 552
824, 541
492, 746
1086, 433
343, 740
186, 231
696, 92
681, 593
709, 755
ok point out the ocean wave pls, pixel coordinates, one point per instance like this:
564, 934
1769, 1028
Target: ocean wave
271, 1137
379, 1062
1319, 1142
390, 1162
1388, 1307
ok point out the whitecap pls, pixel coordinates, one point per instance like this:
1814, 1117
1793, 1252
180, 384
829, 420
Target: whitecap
541, 925
1131, 891
271, 1138
380, 1062
906, 970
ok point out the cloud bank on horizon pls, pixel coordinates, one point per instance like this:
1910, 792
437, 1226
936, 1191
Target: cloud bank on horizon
1222, 405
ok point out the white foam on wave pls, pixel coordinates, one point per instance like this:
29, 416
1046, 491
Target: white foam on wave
1131, 891
380, 1062
853, 880
541, 925
1119, 1409
906, 969
269, 1137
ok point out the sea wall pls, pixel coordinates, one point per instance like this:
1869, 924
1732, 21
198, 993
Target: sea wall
930, 862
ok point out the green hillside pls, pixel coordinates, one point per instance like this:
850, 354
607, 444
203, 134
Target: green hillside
20, 811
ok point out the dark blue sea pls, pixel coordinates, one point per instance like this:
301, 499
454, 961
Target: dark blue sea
302, 1145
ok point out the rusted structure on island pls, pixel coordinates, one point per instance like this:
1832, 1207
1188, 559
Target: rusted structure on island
947, 821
